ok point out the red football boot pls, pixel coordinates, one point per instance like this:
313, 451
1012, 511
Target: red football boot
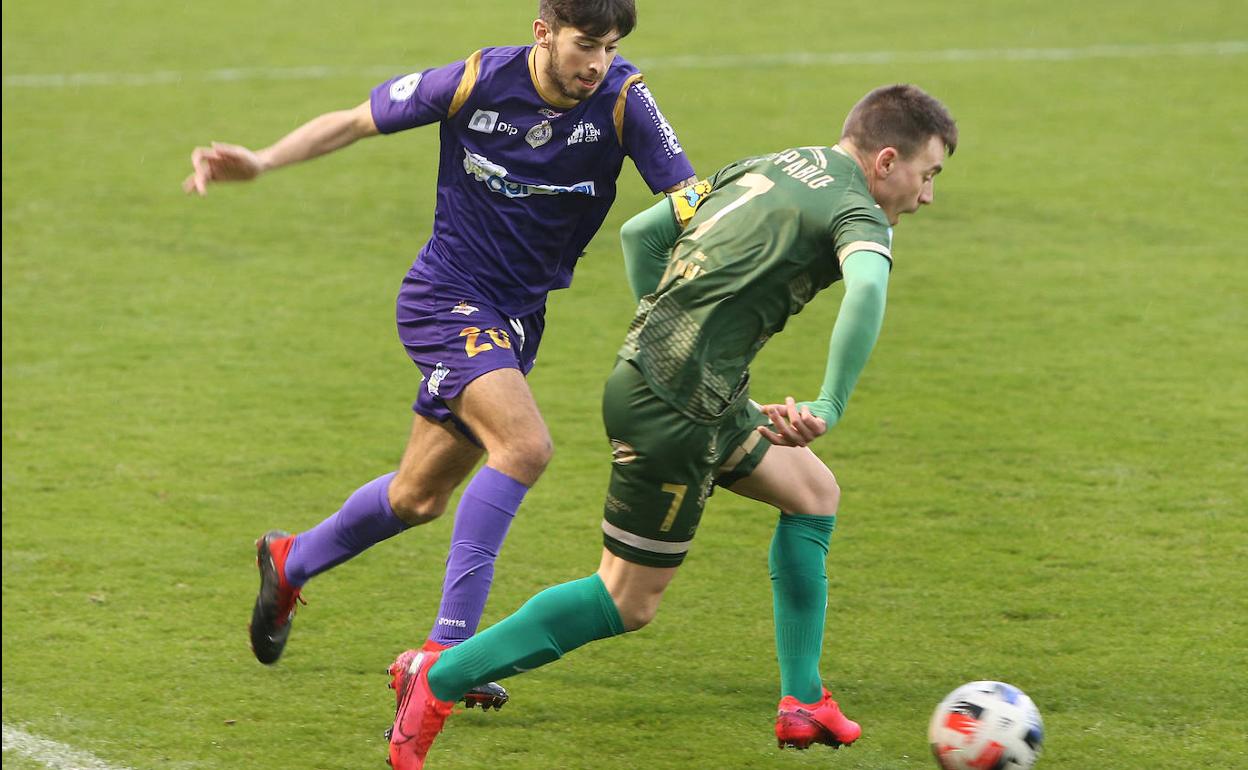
490, 695
801, 724
274, 612
420, 715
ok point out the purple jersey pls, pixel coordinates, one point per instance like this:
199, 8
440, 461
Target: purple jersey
523, 184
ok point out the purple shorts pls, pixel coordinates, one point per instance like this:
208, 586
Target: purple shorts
455, 340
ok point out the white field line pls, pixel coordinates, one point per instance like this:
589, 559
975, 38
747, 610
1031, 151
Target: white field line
50, 754
727, 61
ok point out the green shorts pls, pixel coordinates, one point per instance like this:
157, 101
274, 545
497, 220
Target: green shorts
664, 465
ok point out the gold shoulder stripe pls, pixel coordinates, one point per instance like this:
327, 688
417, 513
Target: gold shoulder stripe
619, 106
472, 68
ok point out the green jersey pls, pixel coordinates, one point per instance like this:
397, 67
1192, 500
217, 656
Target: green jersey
770, 233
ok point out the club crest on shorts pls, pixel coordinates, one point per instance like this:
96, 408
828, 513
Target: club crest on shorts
463, 308
622, 453
539, 134
435, 380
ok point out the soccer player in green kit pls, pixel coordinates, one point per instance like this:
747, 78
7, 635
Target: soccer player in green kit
748, 248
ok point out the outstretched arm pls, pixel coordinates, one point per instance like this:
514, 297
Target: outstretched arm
647, 241
853, 337
319, 136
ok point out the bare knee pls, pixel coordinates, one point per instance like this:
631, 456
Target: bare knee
635, 589
416, 503
523, 457
636, 614
821, 497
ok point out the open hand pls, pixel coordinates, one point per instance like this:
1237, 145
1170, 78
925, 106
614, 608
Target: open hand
221, 163
791, 426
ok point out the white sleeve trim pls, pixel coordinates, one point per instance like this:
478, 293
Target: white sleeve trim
850, 248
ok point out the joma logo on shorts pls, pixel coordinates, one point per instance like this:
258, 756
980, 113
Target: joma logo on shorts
435, 379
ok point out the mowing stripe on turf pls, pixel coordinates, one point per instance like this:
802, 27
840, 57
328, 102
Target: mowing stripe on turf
51, 754
727, 61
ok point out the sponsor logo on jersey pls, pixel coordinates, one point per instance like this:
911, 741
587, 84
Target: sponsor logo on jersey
435, 380
539, 134
464, 308
494, 177
685, 268
404, 87
584, 132
548, 112
670, 142
483, 121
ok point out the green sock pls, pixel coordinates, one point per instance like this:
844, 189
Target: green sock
548, 626
799, 589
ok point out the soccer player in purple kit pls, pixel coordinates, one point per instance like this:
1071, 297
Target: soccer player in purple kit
532, 141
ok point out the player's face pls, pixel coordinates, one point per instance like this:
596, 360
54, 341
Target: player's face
579, 61
905, 184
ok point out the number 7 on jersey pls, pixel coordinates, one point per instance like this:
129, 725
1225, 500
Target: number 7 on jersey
755, 184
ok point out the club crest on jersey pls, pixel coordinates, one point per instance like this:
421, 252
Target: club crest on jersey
463, 308
435, 380
404, 87
539, 134
584, 132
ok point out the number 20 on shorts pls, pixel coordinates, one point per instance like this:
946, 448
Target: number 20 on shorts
473, 347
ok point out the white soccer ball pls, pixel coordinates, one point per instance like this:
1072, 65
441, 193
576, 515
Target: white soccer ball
986, 726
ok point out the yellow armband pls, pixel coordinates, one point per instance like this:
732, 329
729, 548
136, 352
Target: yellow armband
686, 200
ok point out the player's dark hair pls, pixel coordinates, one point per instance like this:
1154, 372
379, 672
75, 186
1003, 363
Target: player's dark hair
901, 116
594, 17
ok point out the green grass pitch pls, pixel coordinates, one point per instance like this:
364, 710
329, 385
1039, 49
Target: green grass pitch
1045, 464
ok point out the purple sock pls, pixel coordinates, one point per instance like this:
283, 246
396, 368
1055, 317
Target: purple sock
486, 509
364, 520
